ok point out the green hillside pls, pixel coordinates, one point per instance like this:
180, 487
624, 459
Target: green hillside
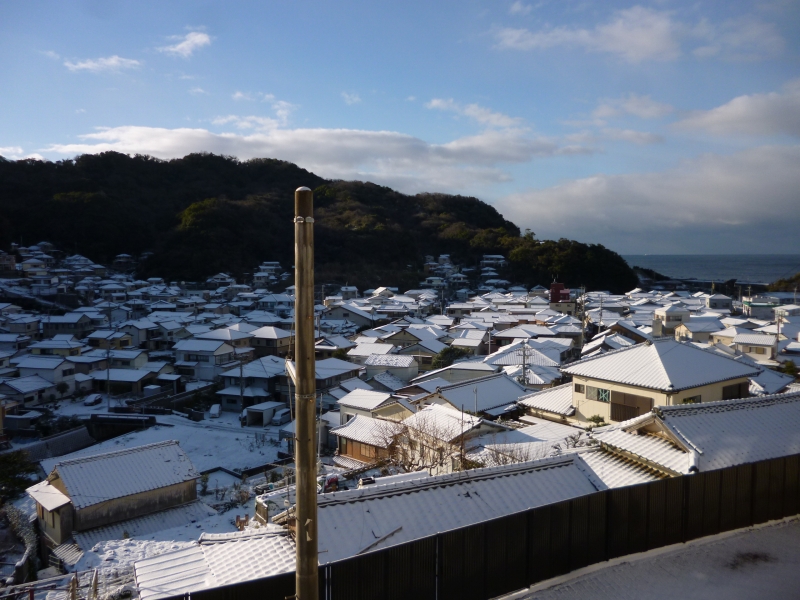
203, 213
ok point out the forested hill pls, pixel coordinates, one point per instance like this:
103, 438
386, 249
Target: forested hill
203, 213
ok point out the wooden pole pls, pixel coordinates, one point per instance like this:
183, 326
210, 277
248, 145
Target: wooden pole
307, 587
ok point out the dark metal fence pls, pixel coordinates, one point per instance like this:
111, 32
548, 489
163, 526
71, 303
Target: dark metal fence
513, 552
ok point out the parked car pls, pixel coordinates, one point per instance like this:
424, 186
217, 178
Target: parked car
282, 417
92, 400
214, 412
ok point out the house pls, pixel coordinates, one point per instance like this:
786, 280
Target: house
626, 383
352, 313
107, 338
698, 329
362, 352
678, 440
363, 440
123, 381
271, 341
424, 351
56, 370
205, 360
261, 381
327, 345
761, 347
59, 345
458, 371
82, 494
553, 404
13, 342
23, 325
403, 367
78, 324
30, 390
233, 337
141, 331
491, 395
719, 302
373, 404
561, 299
668, 318
122, 359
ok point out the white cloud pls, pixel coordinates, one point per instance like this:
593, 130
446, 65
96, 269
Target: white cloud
635, 35
242, 96
99, 65
480, 114
632, 136
198, 91
351, 99
9, 151
745, 38
51, 54
80, 111
712, 203
187, 45
756, 114
387, 157
411, 98
519, 8
643, 107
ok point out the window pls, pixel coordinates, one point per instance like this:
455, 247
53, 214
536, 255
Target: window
692, 400
599, 394
579, 388
760, 350
342, 446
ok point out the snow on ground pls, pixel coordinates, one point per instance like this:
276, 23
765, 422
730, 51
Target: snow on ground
209, 444
753, 564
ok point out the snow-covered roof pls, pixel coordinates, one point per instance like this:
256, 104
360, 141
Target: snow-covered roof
379, 516
200, 345
95, 479
372, 348
557, 400
32, 383
48, 496
364, 399
492, 391
389, 360
664, 365
755, 339
217, 560
388, 380
374, 432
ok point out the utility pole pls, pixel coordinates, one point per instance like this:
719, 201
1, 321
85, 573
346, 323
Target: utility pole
306, 576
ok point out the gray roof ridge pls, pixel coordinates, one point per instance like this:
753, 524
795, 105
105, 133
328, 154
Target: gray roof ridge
437, 481
104, 455
537, 392
725, 405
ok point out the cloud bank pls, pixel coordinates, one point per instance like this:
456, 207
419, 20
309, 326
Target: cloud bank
745, 202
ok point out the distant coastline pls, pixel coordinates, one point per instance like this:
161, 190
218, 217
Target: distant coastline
746, 268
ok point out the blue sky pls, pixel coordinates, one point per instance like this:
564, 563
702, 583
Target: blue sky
661, 127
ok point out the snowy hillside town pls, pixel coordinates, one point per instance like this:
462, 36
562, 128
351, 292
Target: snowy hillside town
147, 427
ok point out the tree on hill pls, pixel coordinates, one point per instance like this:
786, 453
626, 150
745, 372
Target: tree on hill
448, 356
790, 284
15, 469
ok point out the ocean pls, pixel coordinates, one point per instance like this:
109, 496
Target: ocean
747, 268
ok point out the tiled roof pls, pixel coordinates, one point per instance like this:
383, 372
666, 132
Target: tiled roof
94, 479
614, 471
142, 527
733, 432
389, 360
385, 515
651, 447
492, 391
556, 400
375, 432
214, 562
664, 365
755, 339
364, 399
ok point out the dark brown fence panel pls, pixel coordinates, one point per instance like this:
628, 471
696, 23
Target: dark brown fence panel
579, 533
344, 578
711, 502
791, 487
423, 569
744, 496
371, 583
597, 527
777, 470
761, 492
516, 551
656, 514
617, 511
695, 486
452, 551
475, 561
539, 559
559, 538
674, 497
271, 588
727, 499
397, 576
637, 518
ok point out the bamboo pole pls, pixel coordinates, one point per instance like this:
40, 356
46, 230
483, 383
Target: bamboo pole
307, 587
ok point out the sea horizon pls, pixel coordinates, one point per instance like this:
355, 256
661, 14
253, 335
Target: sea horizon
748, 268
